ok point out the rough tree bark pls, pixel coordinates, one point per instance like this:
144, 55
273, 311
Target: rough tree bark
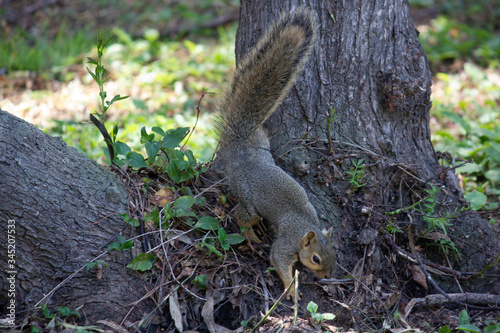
64, 208
370, 69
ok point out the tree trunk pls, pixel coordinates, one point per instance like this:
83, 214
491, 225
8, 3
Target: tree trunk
63, 209
370, 71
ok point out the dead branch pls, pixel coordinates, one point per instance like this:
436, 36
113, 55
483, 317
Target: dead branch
438, 300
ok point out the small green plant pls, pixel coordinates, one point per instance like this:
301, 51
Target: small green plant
435, 221
100, 76
392, 227
62, 311
130, 220
121, 244
318, 317
58, 320
98, 263
357, 174
57, 317
209, 223
200, 281
331, 117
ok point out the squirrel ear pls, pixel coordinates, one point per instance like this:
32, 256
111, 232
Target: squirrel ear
308, 239
327, 233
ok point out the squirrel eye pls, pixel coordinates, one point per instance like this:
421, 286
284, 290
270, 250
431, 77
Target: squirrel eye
316, 260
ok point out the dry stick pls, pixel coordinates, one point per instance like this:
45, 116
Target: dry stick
266, 293
274, 306
437, 300
442, 292
296, 303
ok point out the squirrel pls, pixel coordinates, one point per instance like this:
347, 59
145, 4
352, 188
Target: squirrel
260, 83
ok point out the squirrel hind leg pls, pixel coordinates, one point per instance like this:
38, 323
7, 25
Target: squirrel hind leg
247, 217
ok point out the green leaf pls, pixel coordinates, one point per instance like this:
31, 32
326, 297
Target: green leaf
312, 307
208, 223
181, 165
493, 175
132, 221
173, 172
445, 329
317, 317
75, 313
46, 312
142, 262
136, 160
93, 75
89, 266
182, 206
221, 234
327, 316
174, 137
91, 61
158, 130
200, 281
107, 42
190, 156
155, 215
128, 244
468, 328
101, 263
152, 149
64, 311
235, 239
495, 328
121, 239
118, 98
114, 246
121, 148
475, 199
114, 133
463, 318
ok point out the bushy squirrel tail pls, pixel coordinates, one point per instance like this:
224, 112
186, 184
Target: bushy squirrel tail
264, 76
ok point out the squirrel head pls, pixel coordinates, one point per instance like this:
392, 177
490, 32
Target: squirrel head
317, 253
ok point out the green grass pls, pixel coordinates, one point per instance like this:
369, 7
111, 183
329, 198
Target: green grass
20, 51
